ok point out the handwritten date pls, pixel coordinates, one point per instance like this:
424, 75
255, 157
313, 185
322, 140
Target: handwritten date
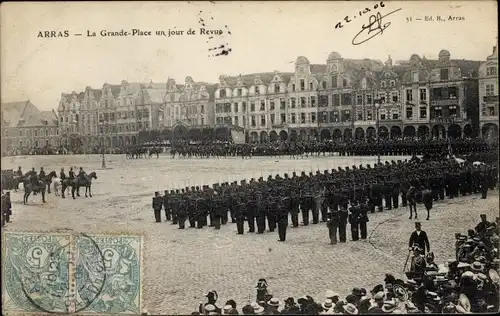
347, 19
374, 28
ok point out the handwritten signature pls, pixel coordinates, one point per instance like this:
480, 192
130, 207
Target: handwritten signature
374, 25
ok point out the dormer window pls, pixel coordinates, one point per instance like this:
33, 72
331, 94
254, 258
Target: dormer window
415, 76
222, 93
257, 90
344, 83
491, 71
387, 75
444, 74
393, 83
383, 84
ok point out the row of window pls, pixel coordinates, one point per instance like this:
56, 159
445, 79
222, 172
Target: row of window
186, 110
181, 97
306, 118
31, 133
103, 117
444, 75
39, 143
321, 101
169, 121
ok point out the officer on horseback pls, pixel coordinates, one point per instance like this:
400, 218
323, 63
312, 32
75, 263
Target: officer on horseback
71, 174
33, 178
41, 174
81, 174
19, 172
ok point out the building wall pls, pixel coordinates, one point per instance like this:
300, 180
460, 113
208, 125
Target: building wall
488, 96
33, 130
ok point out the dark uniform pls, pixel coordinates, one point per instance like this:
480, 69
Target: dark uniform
363, 220
250, 213
333, 224
343, 217
239, 214
157, 205
282, 218
295, 206
166, 206
182, 213
354, 221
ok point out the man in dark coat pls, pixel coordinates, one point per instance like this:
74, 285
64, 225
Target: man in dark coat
239, 214
282, 219
333, 225
343, 216
363, 220
294, 207
157, 205
419, 237
353, 220
250, 210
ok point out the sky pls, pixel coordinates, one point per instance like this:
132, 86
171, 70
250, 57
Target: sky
264, 36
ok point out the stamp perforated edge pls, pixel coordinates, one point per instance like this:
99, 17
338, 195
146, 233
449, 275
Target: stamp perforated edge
4, 249
142, 239
71, 232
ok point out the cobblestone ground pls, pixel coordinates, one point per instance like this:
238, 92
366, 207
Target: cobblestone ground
181, 265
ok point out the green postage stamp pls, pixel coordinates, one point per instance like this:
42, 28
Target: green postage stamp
71, 273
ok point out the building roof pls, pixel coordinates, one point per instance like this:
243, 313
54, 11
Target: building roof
266, 77
115, 89
42, 118
156, 95
12, 112
211, 87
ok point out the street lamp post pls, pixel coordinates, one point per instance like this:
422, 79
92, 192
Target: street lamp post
377, 124
103, 124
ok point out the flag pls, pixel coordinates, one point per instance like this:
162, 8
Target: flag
450, 149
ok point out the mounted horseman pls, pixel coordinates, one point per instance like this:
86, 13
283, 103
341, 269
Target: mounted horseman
83, 180
66, 182
37, 184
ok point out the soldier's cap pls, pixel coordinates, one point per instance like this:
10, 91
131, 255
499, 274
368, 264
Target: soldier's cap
157, 192
418, 224
193, 188
482, 215
166, 191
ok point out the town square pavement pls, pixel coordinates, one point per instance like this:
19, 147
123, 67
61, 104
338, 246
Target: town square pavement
181, 265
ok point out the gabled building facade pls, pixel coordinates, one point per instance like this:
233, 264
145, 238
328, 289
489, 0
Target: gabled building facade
26, 129
488, 96
187, 110
454, 99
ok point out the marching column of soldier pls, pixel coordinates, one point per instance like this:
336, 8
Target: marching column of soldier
385, 147
337, 197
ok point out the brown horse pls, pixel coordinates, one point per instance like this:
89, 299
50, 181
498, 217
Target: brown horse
38, 187
85, 182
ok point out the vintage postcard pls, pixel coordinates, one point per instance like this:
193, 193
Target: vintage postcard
245, 157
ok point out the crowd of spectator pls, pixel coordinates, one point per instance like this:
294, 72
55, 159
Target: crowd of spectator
467, 284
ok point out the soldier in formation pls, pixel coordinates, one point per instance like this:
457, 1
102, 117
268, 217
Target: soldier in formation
6, 208
338, 197
350, 147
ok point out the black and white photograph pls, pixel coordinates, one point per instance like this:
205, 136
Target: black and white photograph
249, 157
